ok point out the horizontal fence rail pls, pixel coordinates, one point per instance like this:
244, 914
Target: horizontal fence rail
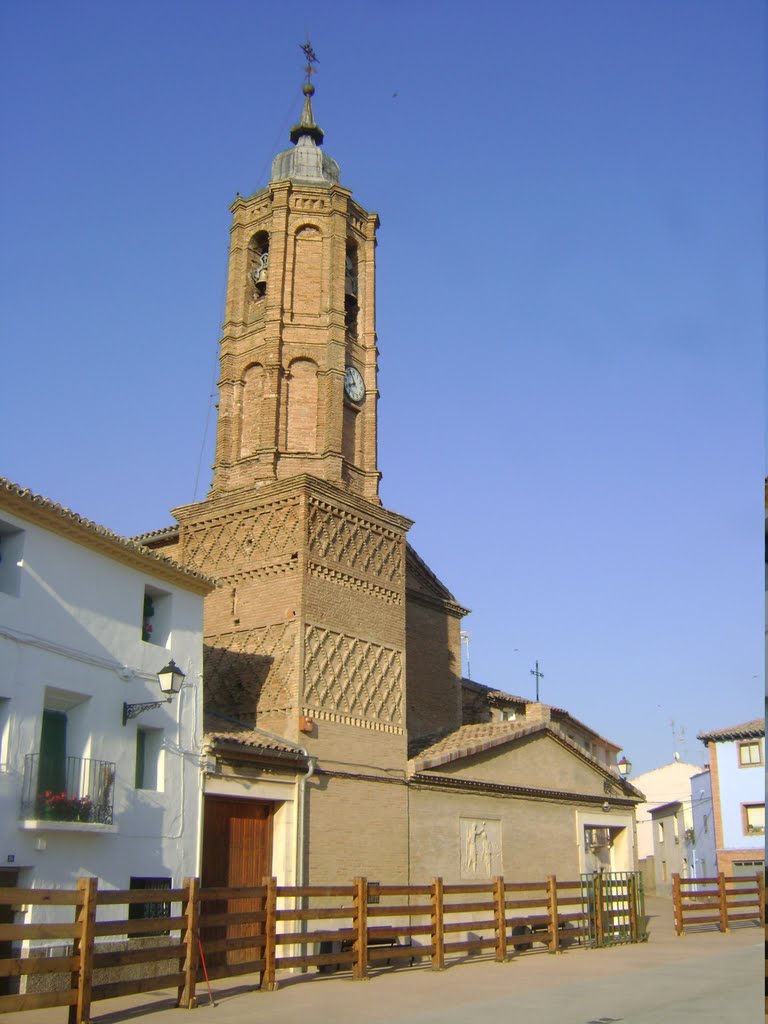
719, 900
101, 935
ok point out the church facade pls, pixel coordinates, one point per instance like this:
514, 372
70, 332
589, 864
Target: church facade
339, 740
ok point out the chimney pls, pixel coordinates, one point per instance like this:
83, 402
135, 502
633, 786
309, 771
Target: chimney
536, 713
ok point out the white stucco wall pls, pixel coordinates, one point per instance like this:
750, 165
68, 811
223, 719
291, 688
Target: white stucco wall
704, 864
660, 786
738, 786
70, 639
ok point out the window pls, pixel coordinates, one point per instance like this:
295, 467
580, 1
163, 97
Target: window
149, 911
258, 251
664, 871
753, 819
149, 754
507, 715
750, 753
350, 290
5, 722
11, 551
156, 616
676, 829
660, 831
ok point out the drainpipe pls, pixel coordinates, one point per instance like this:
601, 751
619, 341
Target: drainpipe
300, 805
300, 833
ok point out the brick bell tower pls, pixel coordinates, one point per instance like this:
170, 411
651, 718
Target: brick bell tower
305, 636
297, 392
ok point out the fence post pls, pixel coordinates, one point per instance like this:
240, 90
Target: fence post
191, 938
360, 924
677, 904
268, 983
760, 897
554, 922
500, 918
82, 980
723, 902
438, 938
599, 923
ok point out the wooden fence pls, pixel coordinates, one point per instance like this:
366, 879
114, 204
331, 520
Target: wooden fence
721, 901
222, 932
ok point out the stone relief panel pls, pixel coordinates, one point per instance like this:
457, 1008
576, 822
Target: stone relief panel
352, 677
480, 847
253, 671
235, 544
350, 540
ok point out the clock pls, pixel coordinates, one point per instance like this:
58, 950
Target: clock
354, 388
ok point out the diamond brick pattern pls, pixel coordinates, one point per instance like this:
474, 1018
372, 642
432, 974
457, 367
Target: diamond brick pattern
236, 543
252, 671
340, 537
352, 676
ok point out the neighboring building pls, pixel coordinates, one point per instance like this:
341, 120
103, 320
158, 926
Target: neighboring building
737, 772
664, 785
87, 621
704, 853
672, 826
331, 643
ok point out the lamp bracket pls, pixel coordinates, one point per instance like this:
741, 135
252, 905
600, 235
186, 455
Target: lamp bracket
132, 710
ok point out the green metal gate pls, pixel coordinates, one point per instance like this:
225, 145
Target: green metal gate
614, 906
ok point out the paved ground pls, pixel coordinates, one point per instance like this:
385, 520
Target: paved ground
702, 976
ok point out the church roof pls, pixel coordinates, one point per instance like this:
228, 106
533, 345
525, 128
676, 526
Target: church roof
423, 584
52, 516
306, 162
746, 731
470, 740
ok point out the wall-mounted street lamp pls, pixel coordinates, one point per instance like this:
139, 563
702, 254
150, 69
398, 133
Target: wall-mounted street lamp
170, 678
625, 767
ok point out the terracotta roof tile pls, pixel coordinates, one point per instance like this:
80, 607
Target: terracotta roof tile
47, 512
220, 728
747, 730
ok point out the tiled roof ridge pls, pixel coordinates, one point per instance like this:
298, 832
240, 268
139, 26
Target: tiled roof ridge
88, 526
501, 732
164, 531
745, 730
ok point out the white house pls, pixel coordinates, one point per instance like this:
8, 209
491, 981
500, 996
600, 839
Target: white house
91, 782
737, 772
662, 785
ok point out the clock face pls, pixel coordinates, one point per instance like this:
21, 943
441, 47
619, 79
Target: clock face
353, 384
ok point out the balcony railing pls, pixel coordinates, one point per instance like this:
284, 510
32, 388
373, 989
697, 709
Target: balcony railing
68, 789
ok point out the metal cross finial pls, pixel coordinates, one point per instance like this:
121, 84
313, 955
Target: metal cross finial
309, 53
539, 675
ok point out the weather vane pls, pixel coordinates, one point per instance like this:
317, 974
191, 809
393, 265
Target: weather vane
309, 53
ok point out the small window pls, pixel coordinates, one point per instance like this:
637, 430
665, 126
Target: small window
258, 251
676, 829
11, 552
750, 753
149, 756
156, 616
508, 715
664, 871
753, 817
5, 722
149, 911
706, 823
660, 831
351, 308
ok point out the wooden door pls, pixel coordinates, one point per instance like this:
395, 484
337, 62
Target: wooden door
237, 851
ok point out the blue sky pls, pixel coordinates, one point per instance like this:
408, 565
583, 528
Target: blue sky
570, 304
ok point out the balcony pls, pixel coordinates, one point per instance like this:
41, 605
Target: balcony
70, 793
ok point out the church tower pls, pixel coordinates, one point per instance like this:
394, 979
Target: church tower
298, 355
306, 634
